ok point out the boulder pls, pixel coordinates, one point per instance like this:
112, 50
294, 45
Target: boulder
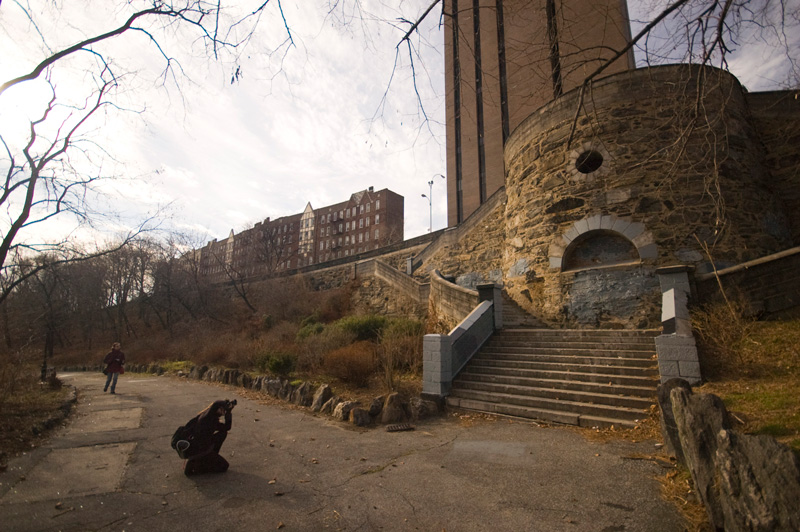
330, 405
303, 394
759, 483
376, 406
286, 390
360, 417
274, 387
342, 410
699, 418
244, 380
393, 409
198, 372
672, 442
422, 408
230, 376
322, 395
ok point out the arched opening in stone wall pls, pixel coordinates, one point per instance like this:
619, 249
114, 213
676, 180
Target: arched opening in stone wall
597, 249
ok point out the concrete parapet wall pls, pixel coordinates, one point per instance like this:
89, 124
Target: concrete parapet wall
445, 355
449, 299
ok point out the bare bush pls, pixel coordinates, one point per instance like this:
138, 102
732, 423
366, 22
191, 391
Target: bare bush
314, 348
400, 350
722, 328
353, 364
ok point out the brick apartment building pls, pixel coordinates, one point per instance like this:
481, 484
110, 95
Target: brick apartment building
366, 221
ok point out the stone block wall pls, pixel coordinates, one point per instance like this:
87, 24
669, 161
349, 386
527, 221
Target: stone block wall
598, 199
473, 255
770, 285
776, 116
450, 302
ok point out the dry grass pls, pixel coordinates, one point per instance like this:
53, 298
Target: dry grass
676, 487
758, 378
28, 407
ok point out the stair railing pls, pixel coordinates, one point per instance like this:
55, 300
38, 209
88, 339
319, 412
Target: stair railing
445, 355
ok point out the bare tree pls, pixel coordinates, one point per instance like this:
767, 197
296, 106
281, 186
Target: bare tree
53, 170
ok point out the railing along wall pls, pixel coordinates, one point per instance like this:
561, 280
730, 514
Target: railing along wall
445, 355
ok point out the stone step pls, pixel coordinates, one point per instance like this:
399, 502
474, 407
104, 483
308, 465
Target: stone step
589, 358
613, 398
574, 334
596, 377
583, 350
645, 389
490, 366
513, 406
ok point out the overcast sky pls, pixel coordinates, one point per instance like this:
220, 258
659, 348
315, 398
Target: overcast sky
308, 123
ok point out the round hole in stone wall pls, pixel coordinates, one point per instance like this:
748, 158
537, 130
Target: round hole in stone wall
589, 161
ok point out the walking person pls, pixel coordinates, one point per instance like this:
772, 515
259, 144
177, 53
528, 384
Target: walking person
115, 365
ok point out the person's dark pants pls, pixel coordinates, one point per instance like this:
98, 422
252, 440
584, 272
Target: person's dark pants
209, 461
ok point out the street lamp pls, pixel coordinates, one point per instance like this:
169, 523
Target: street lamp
430, 201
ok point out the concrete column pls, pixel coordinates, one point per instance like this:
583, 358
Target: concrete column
410, 266
677, 352
437, 365
493, 292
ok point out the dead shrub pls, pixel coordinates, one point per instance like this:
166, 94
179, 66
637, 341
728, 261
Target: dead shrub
722, 328
314, 348
336, 305
400, 350
353, 364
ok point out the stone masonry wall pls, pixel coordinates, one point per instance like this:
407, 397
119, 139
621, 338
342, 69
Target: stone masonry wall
475, 258
655, 182
776, 116
376, 296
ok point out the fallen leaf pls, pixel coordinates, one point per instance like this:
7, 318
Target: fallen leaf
272, 481
281, 525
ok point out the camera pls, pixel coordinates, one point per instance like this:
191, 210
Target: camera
229, 404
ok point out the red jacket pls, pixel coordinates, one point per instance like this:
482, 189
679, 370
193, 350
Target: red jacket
114, 360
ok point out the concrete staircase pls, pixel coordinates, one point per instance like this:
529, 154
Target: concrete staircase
590, 378
515, 317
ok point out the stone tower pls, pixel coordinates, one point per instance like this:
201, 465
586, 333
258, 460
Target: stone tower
503, 60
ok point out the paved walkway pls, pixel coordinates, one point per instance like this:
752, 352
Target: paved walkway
112, 469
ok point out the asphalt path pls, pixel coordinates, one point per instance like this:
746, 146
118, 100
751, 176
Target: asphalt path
111, 468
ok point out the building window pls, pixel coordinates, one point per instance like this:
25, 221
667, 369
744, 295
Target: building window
377, 219
340, 228
321, 246
361, 209
361, 223
377, 204
360, 238
367, 221
341, 215
366, 235
347, 226
377, 233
